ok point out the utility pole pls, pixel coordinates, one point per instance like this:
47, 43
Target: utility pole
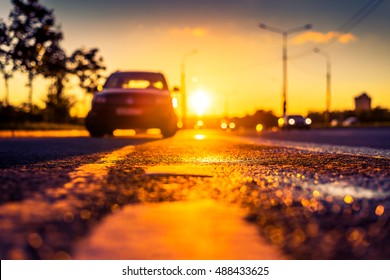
284, 34
328, 89
183, 87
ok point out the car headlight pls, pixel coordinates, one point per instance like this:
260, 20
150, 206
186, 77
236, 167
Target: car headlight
224, 125
308, 121
291, 121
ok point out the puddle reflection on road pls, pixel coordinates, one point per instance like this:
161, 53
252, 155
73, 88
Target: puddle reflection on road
202, 229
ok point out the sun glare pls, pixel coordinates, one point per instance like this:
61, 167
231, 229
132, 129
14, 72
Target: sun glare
200, 102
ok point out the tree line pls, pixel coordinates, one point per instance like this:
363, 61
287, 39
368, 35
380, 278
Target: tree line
30, 42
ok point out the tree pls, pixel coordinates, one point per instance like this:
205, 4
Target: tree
54, 66
6, 63
34, 30
57, 108
88, 66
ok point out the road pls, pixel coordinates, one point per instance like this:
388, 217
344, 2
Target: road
370, 137
198, 195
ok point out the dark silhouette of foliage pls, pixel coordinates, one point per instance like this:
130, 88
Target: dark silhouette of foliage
88, 66
57, 108
31, 43
34, 30
12, 115
266, 118
377, 114
54, 66
6, 63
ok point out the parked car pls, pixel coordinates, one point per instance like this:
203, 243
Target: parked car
132, 100
294, 121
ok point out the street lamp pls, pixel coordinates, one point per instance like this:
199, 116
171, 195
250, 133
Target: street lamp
183, 87
285, 34
328, 90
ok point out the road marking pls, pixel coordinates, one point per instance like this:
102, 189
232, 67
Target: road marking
90, 174
58, 203
320, 148
342, 189
202, 229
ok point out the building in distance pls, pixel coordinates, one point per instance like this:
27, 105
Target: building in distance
362, 102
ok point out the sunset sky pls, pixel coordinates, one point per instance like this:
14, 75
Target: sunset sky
237, 64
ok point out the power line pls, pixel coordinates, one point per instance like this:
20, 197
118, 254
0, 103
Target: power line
347, 26
360, 15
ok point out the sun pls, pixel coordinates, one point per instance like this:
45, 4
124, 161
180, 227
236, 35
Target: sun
200, 102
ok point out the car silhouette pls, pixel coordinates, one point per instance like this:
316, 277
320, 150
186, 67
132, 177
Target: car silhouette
132, 100
351, 121
294, 122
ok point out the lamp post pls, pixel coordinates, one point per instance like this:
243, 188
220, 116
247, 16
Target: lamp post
183, 86
285, 34
328, 90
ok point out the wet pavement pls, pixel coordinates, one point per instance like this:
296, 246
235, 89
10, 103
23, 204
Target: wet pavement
198, 195
196, 230
367, 137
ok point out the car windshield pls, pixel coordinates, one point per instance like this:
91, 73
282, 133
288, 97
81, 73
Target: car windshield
297, 118
136, 80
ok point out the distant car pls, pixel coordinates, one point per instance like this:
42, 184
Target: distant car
132, 100
335, 123
228, 125
294, 122
350, 121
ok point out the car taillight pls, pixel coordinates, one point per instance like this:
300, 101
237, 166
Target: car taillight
175, 102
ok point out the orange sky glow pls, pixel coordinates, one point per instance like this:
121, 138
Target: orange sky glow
237, 64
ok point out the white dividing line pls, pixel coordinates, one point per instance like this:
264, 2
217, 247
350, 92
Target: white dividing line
321, 148
341, 189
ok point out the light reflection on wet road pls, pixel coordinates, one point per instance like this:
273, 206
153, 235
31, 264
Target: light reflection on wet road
200, 229
368, 137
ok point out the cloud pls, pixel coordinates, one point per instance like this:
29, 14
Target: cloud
318, 37
191, 31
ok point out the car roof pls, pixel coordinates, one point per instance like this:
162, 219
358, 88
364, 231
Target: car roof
136, 72
134, 75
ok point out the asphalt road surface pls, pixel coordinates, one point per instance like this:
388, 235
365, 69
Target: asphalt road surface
371, 137
198, 195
